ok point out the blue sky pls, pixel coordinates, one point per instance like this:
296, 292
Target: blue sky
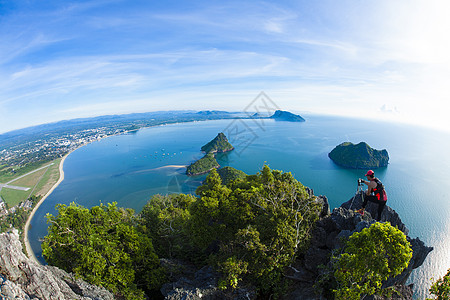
372, 59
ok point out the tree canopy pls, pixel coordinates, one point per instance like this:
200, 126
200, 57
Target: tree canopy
104, 246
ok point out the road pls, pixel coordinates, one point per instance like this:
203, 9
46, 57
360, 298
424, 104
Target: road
14, 187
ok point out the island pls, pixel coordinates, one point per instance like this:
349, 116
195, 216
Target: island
281, 115
359, 156
208, 162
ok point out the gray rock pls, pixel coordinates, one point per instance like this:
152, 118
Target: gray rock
23, 278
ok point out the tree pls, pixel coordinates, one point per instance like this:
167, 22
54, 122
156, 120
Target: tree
253, 228
167, 218
105, 247
441, 288
370, 257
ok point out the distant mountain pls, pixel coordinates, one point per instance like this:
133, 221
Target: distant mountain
281, 115
212, 112
218, 144
359, 156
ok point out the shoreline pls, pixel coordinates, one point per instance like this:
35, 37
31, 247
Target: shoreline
26, 241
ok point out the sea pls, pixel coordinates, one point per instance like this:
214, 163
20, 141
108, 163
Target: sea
130, 168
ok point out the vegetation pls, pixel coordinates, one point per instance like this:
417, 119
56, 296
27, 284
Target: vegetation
441, 288
370, 257
203, 165
18, 218
218, 144
360, 156
258, 225
105, 246
228, 174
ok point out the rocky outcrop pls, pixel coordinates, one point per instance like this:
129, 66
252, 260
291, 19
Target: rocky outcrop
331, 233
190, 283
22, 278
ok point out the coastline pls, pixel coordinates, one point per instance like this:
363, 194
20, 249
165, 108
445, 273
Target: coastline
26, 241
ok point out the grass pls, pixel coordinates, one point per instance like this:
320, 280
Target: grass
6, 175
13, 197
42, 181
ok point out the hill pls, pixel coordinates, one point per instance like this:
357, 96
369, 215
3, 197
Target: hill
359, 156
218, 144
228, 174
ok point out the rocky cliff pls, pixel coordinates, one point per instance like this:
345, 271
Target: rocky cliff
21, 278
336, 227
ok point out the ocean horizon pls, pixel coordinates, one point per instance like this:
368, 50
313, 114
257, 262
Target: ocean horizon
130, 168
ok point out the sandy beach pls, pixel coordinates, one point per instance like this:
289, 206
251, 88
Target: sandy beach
30, 251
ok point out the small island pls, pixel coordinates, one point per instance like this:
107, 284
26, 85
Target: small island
281, 115
359, 156
208, 162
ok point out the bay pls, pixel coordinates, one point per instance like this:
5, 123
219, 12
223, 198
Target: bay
129, 169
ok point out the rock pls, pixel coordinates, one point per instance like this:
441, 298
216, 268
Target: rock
359, 156
201, 284
331, 232
22, 278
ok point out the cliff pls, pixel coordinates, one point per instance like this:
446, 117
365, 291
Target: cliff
359, 156
21, 278
336, 227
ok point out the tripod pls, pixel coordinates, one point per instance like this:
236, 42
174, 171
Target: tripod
359, 189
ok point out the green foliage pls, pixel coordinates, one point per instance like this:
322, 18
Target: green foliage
441, 288
370, 257
167, 217
228, 174
218, 144
203, 165
254, 227
359, 156
105, 247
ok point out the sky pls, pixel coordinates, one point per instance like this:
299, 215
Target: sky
379, 59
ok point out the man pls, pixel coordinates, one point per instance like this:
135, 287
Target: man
375, 193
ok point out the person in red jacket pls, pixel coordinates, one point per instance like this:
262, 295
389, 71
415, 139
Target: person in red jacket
375, 193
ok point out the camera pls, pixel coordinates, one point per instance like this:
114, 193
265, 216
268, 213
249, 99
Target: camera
360, 181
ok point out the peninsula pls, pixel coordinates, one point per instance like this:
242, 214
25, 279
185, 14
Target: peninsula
359, 156
208, 162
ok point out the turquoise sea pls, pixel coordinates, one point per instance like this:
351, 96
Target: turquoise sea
130, 168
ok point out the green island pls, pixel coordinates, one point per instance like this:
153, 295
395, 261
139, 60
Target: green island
208, 162
359, 156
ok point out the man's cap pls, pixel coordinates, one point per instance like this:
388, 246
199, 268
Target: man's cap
369, 173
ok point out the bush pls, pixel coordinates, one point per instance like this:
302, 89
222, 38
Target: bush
370, 257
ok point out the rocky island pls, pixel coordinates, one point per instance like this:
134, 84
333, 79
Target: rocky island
281, 115
359, 156
208, 162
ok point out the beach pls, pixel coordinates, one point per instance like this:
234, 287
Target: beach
26, 241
